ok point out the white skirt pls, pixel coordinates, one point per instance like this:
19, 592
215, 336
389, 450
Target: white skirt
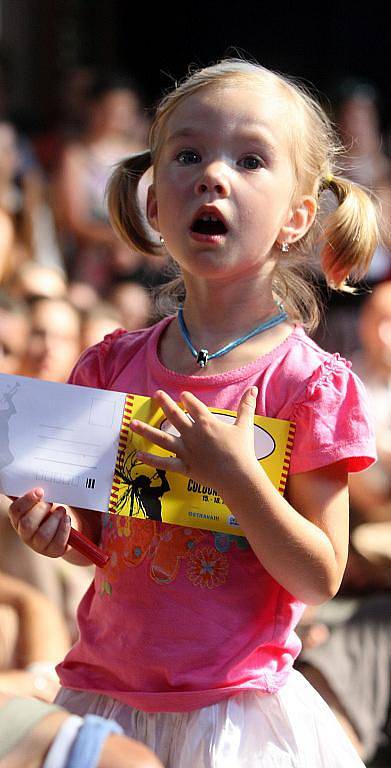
293, 728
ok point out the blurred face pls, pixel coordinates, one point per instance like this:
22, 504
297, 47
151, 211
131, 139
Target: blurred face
359, 122
96, 328
36, 280
375, 327
224, 182
134, 305
9, 158
13, 339
54, 341
117, 112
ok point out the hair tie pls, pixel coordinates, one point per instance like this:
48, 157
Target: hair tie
326, 182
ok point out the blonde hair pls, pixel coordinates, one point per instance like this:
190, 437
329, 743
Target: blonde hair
346, 236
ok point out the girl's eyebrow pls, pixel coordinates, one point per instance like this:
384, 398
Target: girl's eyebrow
260, 133
182, 133
251, 133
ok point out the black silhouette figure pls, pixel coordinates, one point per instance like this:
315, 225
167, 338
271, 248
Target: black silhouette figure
142, 494
6, 457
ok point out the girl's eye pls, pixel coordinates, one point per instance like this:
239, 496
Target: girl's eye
251, 162
188, 157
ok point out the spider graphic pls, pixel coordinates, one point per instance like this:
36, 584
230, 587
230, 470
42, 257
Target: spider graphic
141, 497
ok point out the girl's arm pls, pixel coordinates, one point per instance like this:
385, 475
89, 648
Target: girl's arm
301, 540
46, 528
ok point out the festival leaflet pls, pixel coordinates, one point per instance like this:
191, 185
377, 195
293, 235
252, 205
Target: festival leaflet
76, 444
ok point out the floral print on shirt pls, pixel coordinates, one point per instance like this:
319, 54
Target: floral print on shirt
166, 549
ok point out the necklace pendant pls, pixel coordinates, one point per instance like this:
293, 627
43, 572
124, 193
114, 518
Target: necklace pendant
202, 358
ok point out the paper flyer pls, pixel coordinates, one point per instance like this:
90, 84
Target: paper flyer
76, 444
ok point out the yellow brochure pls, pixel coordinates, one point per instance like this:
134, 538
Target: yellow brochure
141, 491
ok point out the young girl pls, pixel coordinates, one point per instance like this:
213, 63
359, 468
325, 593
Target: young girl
187, 637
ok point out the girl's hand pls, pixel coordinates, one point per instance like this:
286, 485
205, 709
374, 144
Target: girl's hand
207, 449
42, 527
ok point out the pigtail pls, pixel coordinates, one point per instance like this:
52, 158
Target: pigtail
350, 233
126, 216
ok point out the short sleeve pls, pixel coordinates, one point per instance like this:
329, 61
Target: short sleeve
91, 369
333, 421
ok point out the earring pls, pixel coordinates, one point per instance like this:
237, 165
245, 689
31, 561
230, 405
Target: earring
161, 240
284, 247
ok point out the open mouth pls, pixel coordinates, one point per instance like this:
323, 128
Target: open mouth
208, 225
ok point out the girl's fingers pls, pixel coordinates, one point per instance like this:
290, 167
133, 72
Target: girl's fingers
29, 523
174, 413
168, 463
24, 503
195, 407
26, 524
156, 436
52, 535
246, 408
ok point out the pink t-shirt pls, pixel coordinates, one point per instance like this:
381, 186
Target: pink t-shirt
182, 618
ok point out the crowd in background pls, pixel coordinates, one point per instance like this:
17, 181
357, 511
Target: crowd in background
66, 281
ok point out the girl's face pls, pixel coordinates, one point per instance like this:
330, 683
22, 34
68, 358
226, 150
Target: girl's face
224, 183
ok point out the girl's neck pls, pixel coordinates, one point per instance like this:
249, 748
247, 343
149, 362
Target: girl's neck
216, 318
217, 310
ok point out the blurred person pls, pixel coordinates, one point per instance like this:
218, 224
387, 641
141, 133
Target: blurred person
22, 196
369, 562
112, 132
7, 230
70, 118
370, 495
53, 344
346, 656
358, 118
14, 326
33, 637
34, 734
82, 295
54, 340
33, 280
101, 319
56, 580
11, 196
133, 303
363, 160
371, 492
349, 660
7, 237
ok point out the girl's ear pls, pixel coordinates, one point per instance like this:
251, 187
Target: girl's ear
301, 219
152, 212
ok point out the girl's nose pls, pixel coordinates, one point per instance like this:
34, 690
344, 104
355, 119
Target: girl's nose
213, 178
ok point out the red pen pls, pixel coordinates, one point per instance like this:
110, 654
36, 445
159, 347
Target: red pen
87, 548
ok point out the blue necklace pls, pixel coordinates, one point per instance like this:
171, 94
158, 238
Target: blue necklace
203, 355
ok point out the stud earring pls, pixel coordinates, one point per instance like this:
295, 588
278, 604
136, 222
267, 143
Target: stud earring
161, 240
284, 247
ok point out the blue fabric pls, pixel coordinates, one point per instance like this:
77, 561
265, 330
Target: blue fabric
86, 749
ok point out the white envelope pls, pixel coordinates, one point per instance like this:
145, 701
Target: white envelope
60, 437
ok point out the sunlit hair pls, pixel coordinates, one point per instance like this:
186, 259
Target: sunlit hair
344, 235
